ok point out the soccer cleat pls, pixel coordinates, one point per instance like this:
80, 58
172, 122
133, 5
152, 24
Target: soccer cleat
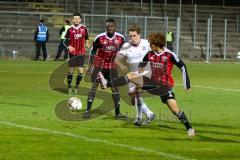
137, 122
191, 132
103, 81
75, 91
149, 119
70, 91
86, 114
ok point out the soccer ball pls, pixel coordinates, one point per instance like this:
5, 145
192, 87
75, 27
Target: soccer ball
74, 104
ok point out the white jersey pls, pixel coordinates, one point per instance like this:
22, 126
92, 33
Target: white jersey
134, 54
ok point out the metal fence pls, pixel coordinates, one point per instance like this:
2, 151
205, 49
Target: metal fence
216, 39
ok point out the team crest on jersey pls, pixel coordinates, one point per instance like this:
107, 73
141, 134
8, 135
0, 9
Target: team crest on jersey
105, 42
116, 41
164, 58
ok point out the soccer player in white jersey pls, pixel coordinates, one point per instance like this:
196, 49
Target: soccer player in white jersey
133, 52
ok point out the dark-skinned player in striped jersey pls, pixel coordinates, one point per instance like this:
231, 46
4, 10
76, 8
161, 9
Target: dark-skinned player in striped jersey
104, 50
161, 81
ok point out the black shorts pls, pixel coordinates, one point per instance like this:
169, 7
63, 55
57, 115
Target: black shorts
108, 74
76, 60
167, 96
164, 91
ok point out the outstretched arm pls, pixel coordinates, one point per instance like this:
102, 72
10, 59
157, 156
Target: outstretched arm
180, 64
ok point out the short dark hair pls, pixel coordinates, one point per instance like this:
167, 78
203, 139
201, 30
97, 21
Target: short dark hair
158, 39
41, 20
77, 14
110, 20
133, 28
67, 21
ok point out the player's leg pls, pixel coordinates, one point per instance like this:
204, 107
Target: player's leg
116, 101
123, 80
138, 106
150, 115
169, 99
80, 63
91, 96
92, 91
141, 107
71, 64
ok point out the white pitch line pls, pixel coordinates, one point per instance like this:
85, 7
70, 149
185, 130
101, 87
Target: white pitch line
25, 72
215, 88
95, 140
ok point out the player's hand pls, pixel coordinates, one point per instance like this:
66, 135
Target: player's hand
140, 70
71, 49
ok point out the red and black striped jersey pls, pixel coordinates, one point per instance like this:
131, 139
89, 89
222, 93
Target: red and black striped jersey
76, 37
105, 49
162, 65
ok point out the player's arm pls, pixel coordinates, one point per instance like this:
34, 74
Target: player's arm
66, 42
180, 64
87, 38
143, 63
93, 52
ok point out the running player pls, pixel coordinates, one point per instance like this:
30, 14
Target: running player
133, 52
161, 82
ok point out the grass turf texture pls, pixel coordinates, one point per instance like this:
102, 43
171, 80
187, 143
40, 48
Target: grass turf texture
29, 128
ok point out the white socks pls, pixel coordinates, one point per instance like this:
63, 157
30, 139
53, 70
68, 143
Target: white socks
141, 107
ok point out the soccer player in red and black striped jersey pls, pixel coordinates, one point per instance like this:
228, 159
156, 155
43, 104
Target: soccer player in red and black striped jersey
104, 50
161, 82
76, 38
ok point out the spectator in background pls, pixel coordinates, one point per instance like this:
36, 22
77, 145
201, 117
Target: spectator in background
41, 36
61, 46
170, 39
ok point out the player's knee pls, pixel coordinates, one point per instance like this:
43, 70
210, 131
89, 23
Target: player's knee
132, 98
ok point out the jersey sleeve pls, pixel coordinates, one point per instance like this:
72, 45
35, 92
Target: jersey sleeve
123, 50
93, 51
86, 36
144, 61
180, 64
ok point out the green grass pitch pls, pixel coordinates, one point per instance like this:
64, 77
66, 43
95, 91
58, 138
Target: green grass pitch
30, 129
